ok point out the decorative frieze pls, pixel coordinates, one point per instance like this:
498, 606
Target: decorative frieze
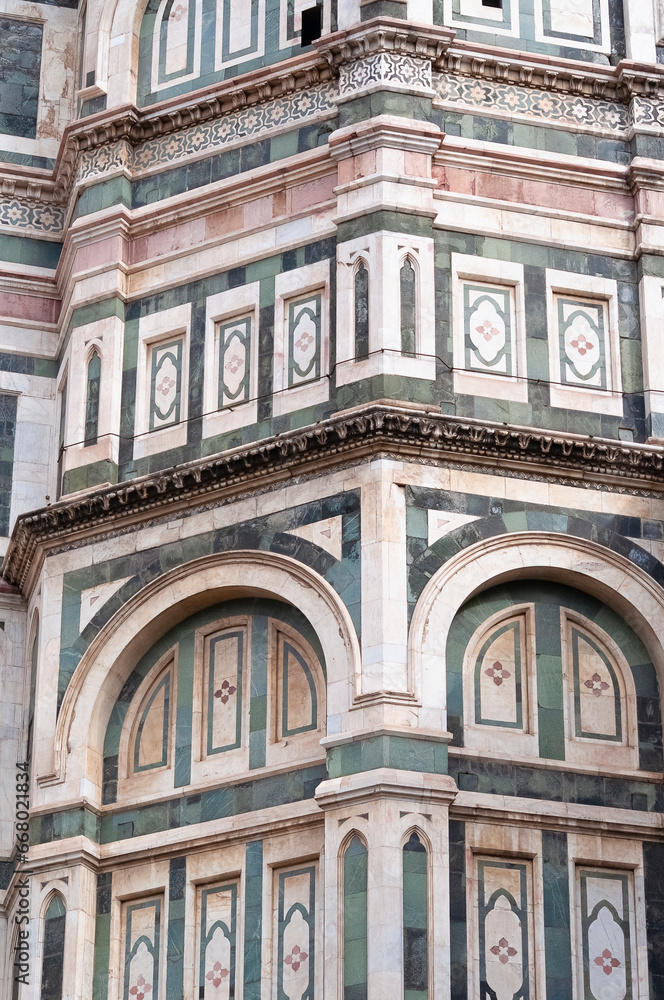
574, 110
105, 159
235, 127
600, 100
385, 56
385, 71
30, 216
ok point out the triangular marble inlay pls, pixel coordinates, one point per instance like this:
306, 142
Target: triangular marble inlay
441, 522
93, 599
326, 534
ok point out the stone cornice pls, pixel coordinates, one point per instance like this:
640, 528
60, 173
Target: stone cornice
540, 165
565, 76
507, 810
367, 430
136, 125
34, 185
386, 783
386, 34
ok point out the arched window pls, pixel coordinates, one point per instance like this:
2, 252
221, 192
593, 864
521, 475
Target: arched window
499, 674
150, 748
356, 864
361, 311
218, 908
408, 308
143, 933
504, 946
92, 399
298, 677
596, 703
415, 920
54, 947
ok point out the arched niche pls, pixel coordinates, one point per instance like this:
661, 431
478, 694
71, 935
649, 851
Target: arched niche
577, 562
175, 596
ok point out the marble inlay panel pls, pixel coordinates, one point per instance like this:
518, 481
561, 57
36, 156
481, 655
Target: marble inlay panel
141, 964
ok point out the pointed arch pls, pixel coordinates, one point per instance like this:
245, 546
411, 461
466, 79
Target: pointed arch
408, 304
355, 857
361, 279
92, 396
52, 972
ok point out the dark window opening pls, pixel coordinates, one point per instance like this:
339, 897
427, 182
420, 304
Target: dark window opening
493, 3
312, 24
362, 311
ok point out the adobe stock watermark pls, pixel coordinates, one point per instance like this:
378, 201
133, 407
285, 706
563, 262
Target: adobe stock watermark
22, 918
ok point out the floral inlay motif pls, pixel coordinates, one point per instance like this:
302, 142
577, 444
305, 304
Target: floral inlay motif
296, 958
596, 685
141, 989
26, 215
225, 692
607, 962
165, 385
217, 974
498, 673
487, 330
582, 345
304, 342
503, 951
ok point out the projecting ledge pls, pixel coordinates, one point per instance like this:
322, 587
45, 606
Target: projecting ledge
386, 783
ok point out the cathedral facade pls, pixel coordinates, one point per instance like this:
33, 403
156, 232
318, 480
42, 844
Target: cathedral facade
331, 499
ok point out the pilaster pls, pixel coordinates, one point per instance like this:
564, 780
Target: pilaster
641, 18
384, 597
384, 807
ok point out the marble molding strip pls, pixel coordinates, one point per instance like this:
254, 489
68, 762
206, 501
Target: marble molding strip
378, 427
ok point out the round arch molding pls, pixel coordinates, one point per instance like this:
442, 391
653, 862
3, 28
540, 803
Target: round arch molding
577, 562
117, 42
176, 595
